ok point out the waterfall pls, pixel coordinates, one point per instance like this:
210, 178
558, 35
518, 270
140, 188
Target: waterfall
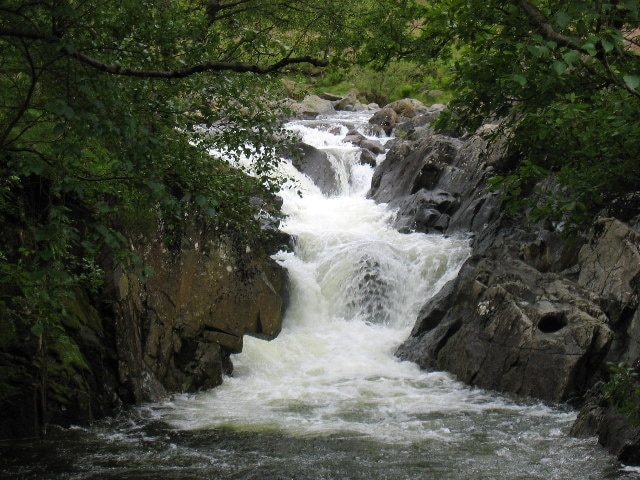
327, 399
356, 288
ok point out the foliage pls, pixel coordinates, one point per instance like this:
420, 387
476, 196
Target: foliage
398, 79
623, 391
563, 81
120, 118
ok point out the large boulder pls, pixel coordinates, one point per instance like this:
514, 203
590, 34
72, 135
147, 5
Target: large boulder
610, 266
532, 312
408, 107
437, 183
406, 116
139, 340
69, 378
310, 107
386, 119
411, 166
315, 164
349, 102
503, 325
177, 329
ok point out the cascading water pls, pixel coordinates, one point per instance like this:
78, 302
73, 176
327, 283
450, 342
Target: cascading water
327, 399
356, 288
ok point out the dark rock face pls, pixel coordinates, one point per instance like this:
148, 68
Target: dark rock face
438, 184
313, 106
503, 325
531, 313
176, 331
73, 380
316, 165
386, 118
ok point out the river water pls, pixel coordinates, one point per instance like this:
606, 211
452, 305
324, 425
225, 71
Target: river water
327, 399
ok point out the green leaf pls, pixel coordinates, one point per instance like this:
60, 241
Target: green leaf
559, 67
607, 45
38, 329
562, 19
571, 57
538, 50
590, 48
520, 79
632, 81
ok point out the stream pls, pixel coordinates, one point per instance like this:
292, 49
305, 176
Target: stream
327, 399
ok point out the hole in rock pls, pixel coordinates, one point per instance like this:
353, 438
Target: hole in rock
552, 322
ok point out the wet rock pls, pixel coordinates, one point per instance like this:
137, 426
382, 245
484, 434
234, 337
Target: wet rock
310, 107
359, 140
386, 118
610, 262
532, 313
599, 418
367, 158
426, 211
408, 107
504, 326
316, 165
330, 96
412, 166
181, 324
610, 266
349, 101
443, 164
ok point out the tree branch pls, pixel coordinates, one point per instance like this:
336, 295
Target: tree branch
238, 67
543, 25
216, 66
27, 100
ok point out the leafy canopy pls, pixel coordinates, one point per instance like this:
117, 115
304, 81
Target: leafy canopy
563, 81
109, 112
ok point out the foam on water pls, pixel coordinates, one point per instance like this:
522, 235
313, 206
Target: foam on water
356, 288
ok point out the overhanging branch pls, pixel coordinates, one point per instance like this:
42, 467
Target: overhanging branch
545, 27
542, 23
215, 66
238, 67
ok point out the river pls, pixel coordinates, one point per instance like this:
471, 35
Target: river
327, 399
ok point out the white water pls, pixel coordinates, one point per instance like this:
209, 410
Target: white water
357, 286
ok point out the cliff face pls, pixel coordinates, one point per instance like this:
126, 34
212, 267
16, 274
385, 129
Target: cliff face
176, 331
140, 340
530, 313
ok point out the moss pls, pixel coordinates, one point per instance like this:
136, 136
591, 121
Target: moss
68, 353
65, 382
80, 312
186, 384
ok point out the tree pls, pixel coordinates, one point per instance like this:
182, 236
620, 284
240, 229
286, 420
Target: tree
562, 79
118, 118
